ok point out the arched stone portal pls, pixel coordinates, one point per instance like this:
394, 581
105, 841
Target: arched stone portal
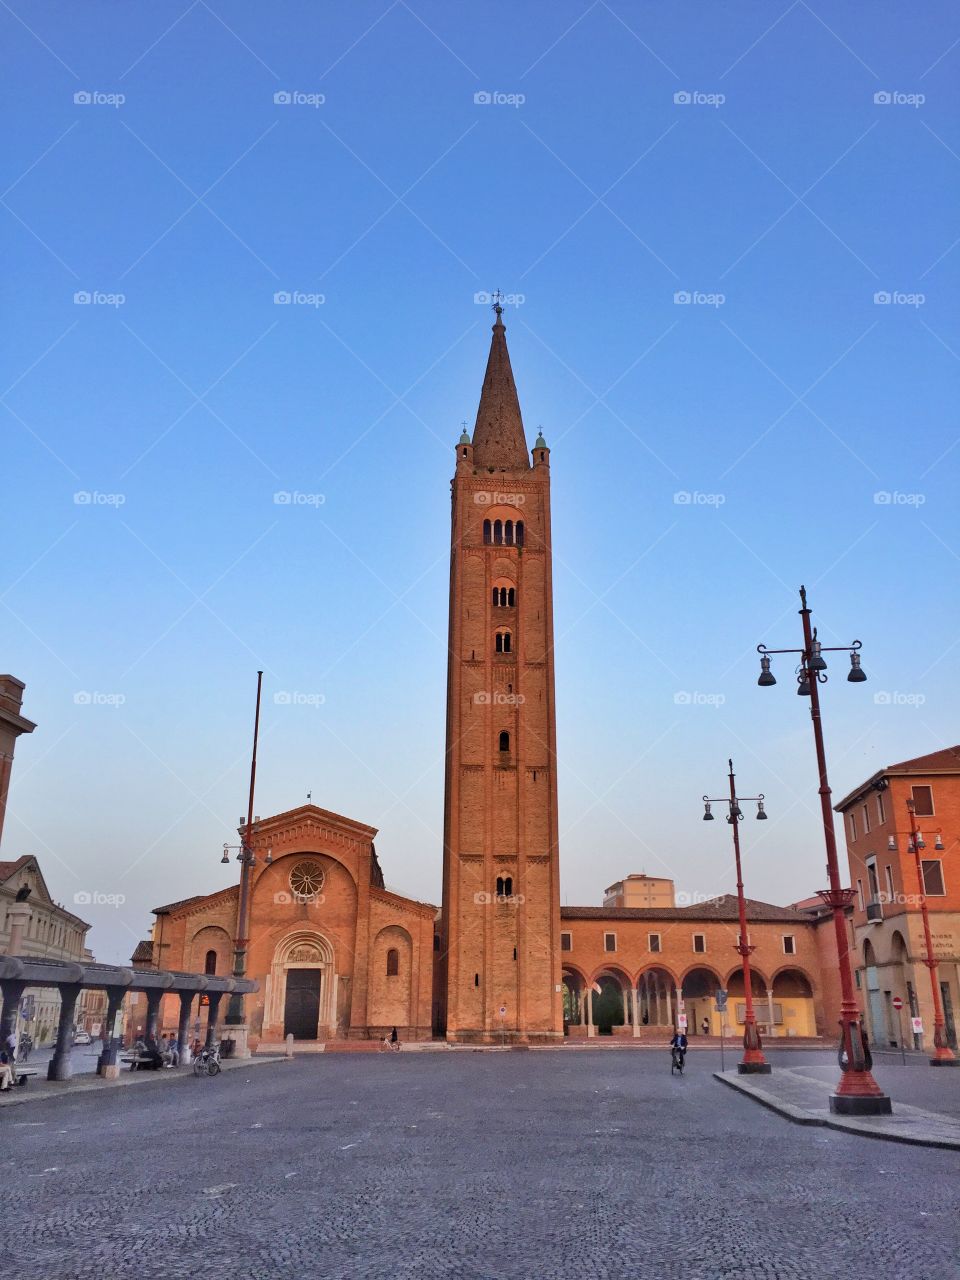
655, 992
301, 994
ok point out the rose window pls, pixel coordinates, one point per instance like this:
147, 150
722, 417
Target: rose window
306, 880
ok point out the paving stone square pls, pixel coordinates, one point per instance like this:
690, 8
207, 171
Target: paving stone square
579, 1163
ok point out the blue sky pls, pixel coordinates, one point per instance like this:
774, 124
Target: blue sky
777, 194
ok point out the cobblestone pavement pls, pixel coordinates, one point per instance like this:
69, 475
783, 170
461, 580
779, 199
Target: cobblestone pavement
500, 1166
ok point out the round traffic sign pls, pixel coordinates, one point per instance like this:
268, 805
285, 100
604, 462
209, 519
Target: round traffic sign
897, 1002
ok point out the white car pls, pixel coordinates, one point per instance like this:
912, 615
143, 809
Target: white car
82, 1037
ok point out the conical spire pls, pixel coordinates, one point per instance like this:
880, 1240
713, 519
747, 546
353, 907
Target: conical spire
498, 438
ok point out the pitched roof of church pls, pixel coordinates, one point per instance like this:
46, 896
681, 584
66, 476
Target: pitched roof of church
722, 908
498, 437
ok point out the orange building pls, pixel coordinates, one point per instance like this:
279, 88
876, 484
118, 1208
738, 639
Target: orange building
887, 924
336, 956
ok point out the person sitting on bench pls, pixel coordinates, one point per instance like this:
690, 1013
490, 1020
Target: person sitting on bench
7, 1078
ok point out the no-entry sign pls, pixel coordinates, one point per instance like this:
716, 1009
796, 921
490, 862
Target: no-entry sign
897, 1002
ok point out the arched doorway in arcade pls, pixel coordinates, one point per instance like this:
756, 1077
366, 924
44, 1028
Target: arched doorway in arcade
699, 989
736, 1016
610, 1006
656, 989
574, 992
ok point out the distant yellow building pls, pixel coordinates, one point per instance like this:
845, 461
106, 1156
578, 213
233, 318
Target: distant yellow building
640, 891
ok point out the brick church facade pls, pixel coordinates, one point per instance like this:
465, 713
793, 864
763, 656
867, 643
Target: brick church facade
338, 957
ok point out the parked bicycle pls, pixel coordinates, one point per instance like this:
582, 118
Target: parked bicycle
207, 1062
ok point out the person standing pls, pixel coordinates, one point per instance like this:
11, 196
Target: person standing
10, 1045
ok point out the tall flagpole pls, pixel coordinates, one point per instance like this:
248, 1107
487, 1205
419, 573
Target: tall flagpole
235, 1012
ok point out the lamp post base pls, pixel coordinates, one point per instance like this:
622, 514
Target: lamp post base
945, 1062
853, 1104
754, 1068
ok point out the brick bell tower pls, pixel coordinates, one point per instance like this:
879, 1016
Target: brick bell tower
500, 926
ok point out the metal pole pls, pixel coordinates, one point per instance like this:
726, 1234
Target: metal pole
235, 1009
943, 1055
857, 1091
753, 1061
903, 1055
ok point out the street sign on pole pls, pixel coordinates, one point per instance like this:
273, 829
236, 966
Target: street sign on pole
916, 1026
721, 1000
898, 1002
681, 1022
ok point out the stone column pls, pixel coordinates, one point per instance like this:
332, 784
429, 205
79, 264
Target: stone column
12, 995
770, 1024
59, 1065
107, 1063
636, 1019
626, 1007
183, 1027
153, 1014
590, 1028
213, 1015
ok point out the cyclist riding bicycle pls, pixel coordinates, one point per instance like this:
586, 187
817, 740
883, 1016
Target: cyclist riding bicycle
679, 1046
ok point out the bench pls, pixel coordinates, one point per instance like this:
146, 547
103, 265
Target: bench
23, 1075
137, 1060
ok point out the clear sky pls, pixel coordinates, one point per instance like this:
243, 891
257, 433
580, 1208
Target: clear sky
619, 154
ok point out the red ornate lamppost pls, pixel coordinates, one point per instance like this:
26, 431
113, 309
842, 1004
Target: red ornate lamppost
943, 1055
753, 1061
857, 1092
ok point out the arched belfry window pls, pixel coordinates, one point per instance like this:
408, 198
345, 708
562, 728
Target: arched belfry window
508, 533
504, 597
503, 644
498, 531
487, 535
210, 963
393, 962
519, 532
504, 741
508, 886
